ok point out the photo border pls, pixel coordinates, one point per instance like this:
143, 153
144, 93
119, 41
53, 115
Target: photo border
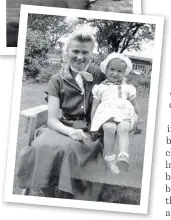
143, 207
4, 50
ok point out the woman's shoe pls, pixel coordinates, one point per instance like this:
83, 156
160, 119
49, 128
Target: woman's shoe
63, 195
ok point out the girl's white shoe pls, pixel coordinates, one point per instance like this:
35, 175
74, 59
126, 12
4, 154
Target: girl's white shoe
111, 163
123, 162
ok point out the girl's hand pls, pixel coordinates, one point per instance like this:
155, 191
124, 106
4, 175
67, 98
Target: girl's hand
137, 128
78, 135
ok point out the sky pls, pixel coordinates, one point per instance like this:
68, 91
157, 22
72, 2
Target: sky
146, 50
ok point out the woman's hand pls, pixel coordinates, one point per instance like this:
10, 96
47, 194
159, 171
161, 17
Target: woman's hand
55, 124
78, 135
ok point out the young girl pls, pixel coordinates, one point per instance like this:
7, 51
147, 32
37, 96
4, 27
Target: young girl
116, 110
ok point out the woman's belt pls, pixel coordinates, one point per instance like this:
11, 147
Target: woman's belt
74, 118
77, 122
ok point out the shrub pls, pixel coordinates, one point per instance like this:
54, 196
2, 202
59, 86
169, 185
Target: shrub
45, 74
141, 83
145, 82
36, 49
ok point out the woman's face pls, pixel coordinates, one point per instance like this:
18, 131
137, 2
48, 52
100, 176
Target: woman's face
79, 54
115, 70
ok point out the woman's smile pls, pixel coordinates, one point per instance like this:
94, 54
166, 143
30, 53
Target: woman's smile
79, 54
79, 61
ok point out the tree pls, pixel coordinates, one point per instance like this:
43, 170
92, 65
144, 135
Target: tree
118, 35
43, 33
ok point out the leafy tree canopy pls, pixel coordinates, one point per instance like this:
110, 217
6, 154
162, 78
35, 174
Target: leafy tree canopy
45, 31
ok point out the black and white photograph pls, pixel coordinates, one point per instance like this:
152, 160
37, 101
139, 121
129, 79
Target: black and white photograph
83, 112
11, 11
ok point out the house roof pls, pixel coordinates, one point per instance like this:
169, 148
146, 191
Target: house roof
138, 57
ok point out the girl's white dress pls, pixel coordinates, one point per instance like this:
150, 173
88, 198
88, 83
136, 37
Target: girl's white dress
114, 104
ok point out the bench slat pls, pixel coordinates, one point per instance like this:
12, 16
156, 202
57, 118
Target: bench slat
34, 111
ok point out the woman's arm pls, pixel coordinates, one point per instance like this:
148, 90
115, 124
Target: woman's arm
55, 124
53, 115
94, 107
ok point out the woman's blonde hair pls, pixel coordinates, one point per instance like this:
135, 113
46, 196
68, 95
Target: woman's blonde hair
80, 36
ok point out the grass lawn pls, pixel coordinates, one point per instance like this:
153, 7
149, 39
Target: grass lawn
33, 95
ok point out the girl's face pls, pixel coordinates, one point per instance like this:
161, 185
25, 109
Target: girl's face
79, 54
116, 70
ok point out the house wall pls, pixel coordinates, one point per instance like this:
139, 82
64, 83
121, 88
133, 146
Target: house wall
142, 65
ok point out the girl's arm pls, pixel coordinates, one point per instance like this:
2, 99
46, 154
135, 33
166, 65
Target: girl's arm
55, 124
94, 107
137, 108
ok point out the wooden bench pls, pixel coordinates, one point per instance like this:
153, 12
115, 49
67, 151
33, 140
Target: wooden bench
35, 118
95, 170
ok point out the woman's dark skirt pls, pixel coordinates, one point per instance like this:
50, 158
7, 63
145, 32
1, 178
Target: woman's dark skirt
54, 159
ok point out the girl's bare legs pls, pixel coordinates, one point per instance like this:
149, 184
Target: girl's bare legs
109, 129
123, 129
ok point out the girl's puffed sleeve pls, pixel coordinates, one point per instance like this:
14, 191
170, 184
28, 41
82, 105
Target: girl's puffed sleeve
53, 87
131, 92
96, 92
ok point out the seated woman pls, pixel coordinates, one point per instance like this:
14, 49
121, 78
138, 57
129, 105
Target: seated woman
62, 148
